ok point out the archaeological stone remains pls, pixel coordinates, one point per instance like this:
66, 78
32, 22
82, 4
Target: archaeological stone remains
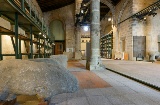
44, 78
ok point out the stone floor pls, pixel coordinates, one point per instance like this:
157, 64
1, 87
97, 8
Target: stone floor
121, 92
145, 71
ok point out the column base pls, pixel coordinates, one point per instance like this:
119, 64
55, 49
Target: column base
94, 67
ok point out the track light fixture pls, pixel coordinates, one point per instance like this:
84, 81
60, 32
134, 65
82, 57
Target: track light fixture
149, 11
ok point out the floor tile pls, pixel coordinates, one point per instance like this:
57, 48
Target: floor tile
98, 100
78, 101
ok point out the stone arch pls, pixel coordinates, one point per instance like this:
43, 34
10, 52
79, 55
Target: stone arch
112, 8
61, 27
120, 15
121, 11
110, 5
117, 41
57, 18
53, 15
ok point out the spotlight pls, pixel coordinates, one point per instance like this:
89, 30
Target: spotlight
40, 33
154, 14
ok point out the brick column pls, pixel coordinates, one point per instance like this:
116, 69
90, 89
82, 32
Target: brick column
95, 59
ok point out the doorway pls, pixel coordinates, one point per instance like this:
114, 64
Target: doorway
57, 30
59, 48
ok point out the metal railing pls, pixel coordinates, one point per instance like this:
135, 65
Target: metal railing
28, 7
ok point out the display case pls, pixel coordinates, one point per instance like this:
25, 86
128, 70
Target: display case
106, 45
21, 21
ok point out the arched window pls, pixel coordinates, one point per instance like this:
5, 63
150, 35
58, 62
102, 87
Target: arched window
57, 29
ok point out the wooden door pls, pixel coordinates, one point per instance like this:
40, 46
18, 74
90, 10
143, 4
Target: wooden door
58, 48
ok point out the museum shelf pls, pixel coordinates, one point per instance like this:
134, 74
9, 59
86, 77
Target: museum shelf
23, 14
106, 45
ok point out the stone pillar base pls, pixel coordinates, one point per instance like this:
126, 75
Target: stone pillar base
78, 55
94, 67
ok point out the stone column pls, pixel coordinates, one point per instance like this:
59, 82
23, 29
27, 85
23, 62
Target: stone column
78, 39
95, 59
77, 32
77, 6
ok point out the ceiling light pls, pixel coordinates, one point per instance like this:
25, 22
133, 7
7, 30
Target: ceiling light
85, 28
82, 11
109, 19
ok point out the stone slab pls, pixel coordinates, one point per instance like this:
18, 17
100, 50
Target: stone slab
61, 59
31, 77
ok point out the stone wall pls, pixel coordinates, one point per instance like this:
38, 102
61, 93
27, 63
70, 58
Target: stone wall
149, 27
125, 31
106, 26
66, 15
121, 31
141, 4
35, 5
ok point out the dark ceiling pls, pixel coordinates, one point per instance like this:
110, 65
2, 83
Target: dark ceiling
48, 5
